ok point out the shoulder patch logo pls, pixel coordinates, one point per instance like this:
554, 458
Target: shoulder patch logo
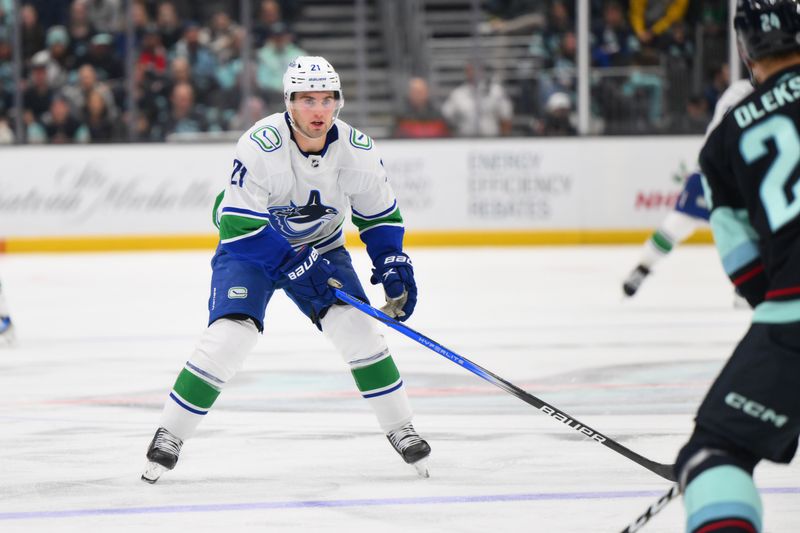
360, 140
267, 138
237, 293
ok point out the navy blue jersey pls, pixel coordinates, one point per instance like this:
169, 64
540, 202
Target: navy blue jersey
751, 173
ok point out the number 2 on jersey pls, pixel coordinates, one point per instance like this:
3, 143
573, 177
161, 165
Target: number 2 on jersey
775, 196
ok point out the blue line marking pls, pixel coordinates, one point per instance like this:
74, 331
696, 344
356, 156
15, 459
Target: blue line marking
372, 502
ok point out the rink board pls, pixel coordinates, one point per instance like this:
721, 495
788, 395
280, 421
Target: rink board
451, 192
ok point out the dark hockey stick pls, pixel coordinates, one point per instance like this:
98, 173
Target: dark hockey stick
662, 470
662, 502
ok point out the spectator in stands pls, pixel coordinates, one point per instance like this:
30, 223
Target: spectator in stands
613, 42
106, 16
151, 103
6, 132
183, 117
51, 12
180, 72
101, 56
153, 56
651, 19
169, 24
694, 119
419, 118
32, 31
80, 29
98, 127
720, 80
556, 121
221, 37
479, 107
678, 45
39, 94
273, 59
270, 13
141, 20
559, 23
6, 64
77, 94
562, 76
231, 77
252, 110
60, 60
60, 126
201, 59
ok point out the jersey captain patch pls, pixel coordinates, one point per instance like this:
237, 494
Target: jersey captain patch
296, 222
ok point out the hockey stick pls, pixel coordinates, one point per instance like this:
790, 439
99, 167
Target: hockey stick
663, 470
662, 502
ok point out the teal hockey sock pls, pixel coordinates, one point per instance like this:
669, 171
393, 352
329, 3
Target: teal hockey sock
722, 499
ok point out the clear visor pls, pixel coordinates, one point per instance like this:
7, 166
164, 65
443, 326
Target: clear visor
308, 102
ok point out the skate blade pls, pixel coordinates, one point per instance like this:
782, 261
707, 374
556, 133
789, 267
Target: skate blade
421, 467
152, 471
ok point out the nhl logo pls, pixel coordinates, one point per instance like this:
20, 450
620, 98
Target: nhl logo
314, 162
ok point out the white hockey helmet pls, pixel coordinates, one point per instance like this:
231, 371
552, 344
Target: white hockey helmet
310, 74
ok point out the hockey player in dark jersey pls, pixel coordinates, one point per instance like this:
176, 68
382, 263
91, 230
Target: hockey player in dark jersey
751, 169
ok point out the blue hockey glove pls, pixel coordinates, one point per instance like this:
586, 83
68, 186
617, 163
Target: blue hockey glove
310, 277
396, 274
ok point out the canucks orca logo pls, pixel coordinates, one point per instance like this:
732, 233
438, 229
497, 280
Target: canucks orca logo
297, 222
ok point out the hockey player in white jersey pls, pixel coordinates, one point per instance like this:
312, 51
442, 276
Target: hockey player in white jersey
295, 177
690, 211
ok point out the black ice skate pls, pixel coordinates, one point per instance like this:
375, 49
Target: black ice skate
411, 447
634, 280
162, 455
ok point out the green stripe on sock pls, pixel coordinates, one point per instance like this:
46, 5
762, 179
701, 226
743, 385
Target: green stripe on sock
194, 390
662, 242
377, 375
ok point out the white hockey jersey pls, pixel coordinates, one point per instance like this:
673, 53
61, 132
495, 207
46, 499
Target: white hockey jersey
735, 92
304, 197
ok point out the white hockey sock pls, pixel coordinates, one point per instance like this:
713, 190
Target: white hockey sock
216, 359
674, 229
364, 349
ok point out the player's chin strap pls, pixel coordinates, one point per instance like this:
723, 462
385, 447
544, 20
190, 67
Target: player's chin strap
663, 470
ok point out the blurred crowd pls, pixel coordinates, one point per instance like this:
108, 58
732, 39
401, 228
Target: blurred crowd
188, 73
187, 67
658, 67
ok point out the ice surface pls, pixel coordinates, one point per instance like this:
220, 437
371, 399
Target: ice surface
290, 446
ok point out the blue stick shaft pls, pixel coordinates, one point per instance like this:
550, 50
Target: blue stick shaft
663, 470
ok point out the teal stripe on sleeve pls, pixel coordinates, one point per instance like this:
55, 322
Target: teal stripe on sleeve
777, 312
734, 236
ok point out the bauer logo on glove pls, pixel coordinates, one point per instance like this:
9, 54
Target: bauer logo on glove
396, 273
